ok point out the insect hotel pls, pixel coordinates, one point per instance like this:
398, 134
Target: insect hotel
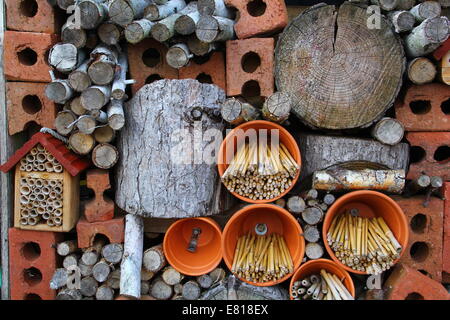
46, 184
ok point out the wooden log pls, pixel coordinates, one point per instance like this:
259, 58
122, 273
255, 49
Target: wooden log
314, 250
161, 290
123, 12
154, 259
236, 112
155, 12
146, 275
402, 20
120, 78
69, 294
70, 260
444, 68
105, 156
104, 134
388, 131
386, 5
426, 10
95, 97
329, 199
311, 233
116, 117
178, 56
104, 293
90, 257
330, 101
215, 8
164, 29
64, 4
145, 288
405, 4
85, 269
204, 281
79, 79
186, 23
171, 276
86, 124
138, 30
178, 289
200, 48
92, 13
110, 33
113, 280
310, 194
101, 271
312, 215
277, 107
444, 3
427, 37
81, 143
392, 181
130, 268
102, 69
66, 247
416, 185
191, 290
75, 36
65, 57
421, 71
58, 91
88, 286
212, 28
59, 279
174, 112
92, 39
112, 252
296, 204
217, 275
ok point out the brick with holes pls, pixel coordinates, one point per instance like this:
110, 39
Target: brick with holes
250, 61
112, 229
446, 237
405, 283
211, 71
147, 63
32, 261
26, 102
32, 16
425, 108
26, 55
432, 150
257, 17
100, 208
424, 249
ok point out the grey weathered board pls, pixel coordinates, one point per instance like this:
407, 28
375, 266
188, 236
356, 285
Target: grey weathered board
342, 74
149, 181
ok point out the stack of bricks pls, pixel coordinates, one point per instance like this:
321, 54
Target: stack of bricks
32, 26
246, 68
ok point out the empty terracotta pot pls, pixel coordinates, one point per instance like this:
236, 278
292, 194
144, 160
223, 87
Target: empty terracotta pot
208, 252
277, 220
369, 204
314, 266
224, 156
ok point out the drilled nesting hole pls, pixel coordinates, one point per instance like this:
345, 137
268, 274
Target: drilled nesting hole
445, 106
204, 78
152, 78
151, 57
201, 59
32, 296
416, 154
28, 8
32, 276
414, 296
31, 250
27, 57
251, 89
418, 223
250, 62
31, 104
420, 106
442, 153
256, 8
419, 251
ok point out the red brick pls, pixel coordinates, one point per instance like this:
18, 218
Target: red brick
442, 50
26, 55
405, 283
100, 208
237, 77
429, 142
274, 18
22, 257
425, 232
26, 102
446, 241
214, 68
433, 119
113, 229
155, 56
20, 16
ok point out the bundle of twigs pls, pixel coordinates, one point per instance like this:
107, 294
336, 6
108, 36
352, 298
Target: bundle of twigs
363, 244
259, 171
326, 286
262, 258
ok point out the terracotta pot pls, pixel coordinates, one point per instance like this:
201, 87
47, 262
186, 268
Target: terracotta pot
370, 204
314, 266
208, 254
277, 219
285, 138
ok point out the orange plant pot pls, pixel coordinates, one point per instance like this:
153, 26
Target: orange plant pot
209, 251
370, 204
314, 266
224, 156
278, 220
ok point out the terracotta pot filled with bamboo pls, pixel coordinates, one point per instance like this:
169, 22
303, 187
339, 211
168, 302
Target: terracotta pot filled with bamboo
262, 244
259, 161
321, 279
365, 232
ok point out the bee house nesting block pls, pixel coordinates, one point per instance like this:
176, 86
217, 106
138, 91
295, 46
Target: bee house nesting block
47, 184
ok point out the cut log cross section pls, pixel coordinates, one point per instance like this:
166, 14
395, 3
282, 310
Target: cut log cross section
341, 73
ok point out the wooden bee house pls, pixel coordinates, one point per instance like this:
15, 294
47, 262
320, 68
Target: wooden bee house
47, 184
